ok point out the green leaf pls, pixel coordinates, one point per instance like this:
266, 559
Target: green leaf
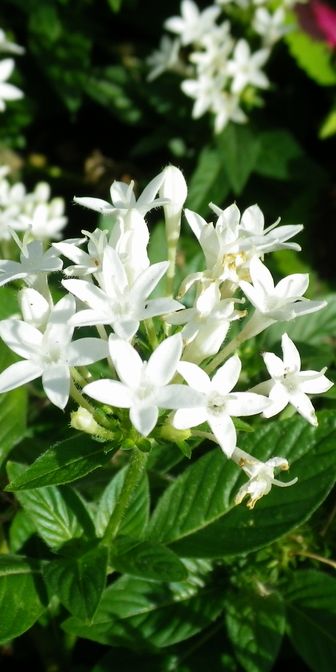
136, 517
239, 147
115, 5
58, 514
79, 582
21, 596
13, 411
8, 302
208, 182
280, 156
64, 462
314, 57
328, 127
137, 611
255, 626
21, 529
311, 616
146, 560
197, 516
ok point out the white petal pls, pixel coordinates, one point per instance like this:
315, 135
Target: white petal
148, 280
156, 307
227, 376
144, 418
196, 222
56, 383
178, 396
195, 376
96, 204
291, 356
114, 274
24, 339
88, 293
279, 398
292, 286
189, 417
246, 403
311, 382
86, 351
261, 277
6, 68
224, 431
275, 365
127, 361
109, 392
303, 405
163, 362
19, 374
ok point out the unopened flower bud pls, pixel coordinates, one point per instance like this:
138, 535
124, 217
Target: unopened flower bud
84, 422
174, 188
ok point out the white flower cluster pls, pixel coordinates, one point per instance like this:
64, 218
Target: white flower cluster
109, 285
8, 91
220, 72
32, 212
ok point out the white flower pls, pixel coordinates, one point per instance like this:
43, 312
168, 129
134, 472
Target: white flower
7, 91
218, 402
225, 107
271, 25
144, 386
193, 23
276, 303
244, 67
33, 261
166, 57
215, 48
49, 354
46, 220
117, 302
85, 263
261, 476
174, 191
204, 90
290, 385
207, 323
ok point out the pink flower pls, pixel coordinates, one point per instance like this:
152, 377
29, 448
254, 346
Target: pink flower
319, 20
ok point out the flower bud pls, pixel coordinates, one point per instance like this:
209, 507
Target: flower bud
174, 188
84, 422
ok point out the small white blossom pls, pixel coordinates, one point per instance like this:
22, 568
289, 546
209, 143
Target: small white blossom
270, 25
290, 385
46, 220
261, 476
245, 67
219, 403
193, 23
165, 58
144, 386
33, 261
49, 354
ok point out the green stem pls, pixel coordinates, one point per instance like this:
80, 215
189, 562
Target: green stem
151, 333
133, 474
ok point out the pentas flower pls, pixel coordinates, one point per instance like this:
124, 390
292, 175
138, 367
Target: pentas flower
229, 245
193, 23
261, 476
290, 385
144, 386
116, 302
166, 57
245, 67
49, 354
34, 260
218, 402
275, 303
46, 221
206, 324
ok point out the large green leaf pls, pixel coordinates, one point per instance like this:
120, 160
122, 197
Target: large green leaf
255, 626
136, 517
239, 148
13, 411
280, 156
146, 560
311, 617
208, 182
145, 613
313, 56
79, 582
21, 596
58, 514
64, 462
197, 515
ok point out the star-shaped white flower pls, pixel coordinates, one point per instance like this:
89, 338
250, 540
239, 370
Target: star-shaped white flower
219, 403
245, 67
33, 261
144, 386
49, 354
290, 385
193, 23
46, 220
166, 57
7, 91
273, 303
116, 302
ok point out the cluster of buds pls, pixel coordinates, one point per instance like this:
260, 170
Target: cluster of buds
221, 72
159, 354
